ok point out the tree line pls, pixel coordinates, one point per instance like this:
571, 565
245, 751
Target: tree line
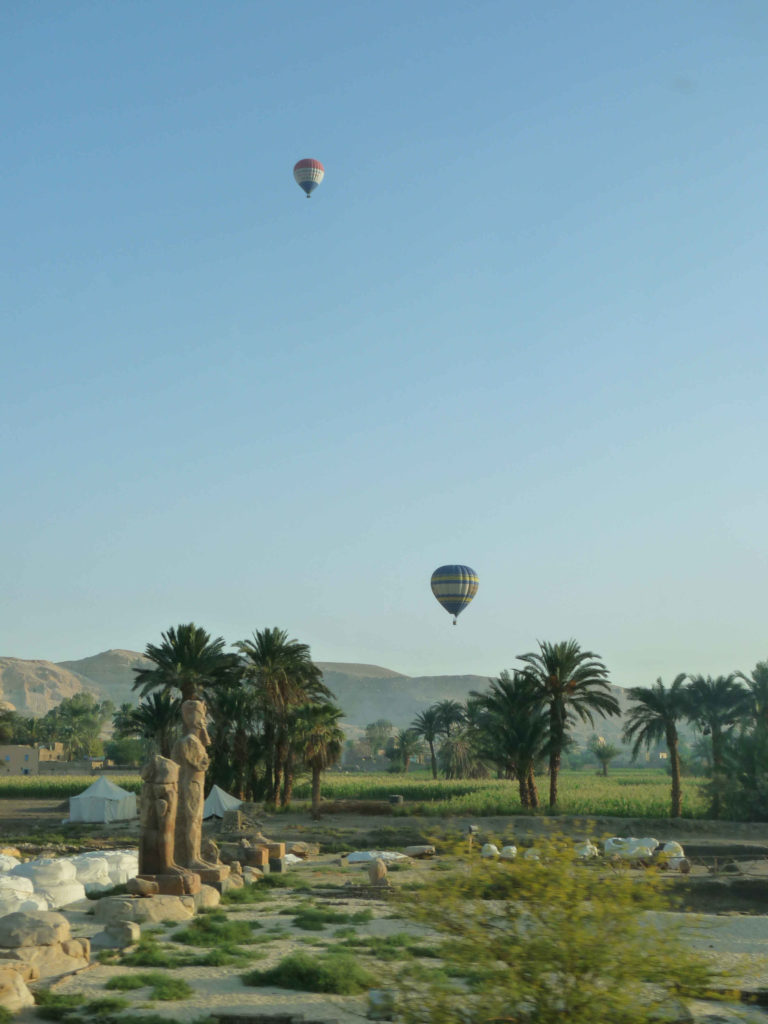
522, 725
272, 716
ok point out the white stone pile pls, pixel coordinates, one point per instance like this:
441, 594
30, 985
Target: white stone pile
49, 883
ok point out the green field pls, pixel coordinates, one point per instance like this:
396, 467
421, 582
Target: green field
632, 793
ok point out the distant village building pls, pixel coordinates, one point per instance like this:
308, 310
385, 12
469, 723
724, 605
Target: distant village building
18, 759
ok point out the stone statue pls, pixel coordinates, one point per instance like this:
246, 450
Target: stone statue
189, 754
158, 870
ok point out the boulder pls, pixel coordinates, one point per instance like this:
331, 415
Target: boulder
377, 872
8, 861
52, 961
419, 852
112, 909
33, 928
490, 851
207, 898
508, 852
118, 935
14, 994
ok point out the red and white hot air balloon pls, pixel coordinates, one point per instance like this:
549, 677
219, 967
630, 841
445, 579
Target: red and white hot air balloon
308, 174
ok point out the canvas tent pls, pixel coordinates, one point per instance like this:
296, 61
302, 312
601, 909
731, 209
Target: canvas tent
103, 801
217, 802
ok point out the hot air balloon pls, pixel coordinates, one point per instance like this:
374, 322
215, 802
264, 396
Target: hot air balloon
308, 175
454, 586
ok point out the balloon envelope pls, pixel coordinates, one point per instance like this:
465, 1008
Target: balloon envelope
308, 174
454, 586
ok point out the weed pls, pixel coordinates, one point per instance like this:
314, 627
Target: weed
214, 930
56, 1005
400, 946
314, 919
163, 987
338, 973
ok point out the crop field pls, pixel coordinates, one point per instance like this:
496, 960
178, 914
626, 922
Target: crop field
633, 793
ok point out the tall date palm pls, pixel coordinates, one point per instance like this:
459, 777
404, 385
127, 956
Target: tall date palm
653, 718
569, 682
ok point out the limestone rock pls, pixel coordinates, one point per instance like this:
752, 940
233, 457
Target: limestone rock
14, 994
252, 875
207, 898
112, 909
377, 872
302, 849
419, 852
118, 935
53, 960
33, 928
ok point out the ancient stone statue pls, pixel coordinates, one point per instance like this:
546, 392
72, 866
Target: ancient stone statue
158, 870
190, 755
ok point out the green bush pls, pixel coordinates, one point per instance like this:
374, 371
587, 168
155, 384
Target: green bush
336, 973
547, 941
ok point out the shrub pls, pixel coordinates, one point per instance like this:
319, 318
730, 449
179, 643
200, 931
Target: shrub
336, 973
546, 941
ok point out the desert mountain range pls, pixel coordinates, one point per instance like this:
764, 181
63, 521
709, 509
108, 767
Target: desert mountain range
365, 692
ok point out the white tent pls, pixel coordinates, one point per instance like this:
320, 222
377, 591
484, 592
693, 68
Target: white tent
103, 801
217, 802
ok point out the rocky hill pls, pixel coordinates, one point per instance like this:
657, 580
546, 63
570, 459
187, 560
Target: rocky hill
111, 672
33, 687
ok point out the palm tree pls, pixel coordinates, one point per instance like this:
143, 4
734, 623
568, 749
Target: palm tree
157, 720
757, 707
427, 725
451, 715
321, 741
404, 746
281, 675
514, 731
568, 681
604, 752
188, 661
653, 719
714, 707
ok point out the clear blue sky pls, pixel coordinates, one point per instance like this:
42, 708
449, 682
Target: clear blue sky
521, 326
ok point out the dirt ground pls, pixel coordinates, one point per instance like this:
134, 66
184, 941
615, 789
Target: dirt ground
728, 887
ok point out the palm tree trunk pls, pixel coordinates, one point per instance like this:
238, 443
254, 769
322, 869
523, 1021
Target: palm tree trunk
718, 774
288, 779
433, 758
522, 786
533, 793
315, 791
676, 810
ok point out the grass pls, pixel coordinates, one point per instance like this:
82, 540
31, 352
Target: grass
624, 793
58, 787
337, 973
164, 988
400, 946
631, 792
215, 929
314, 919
151, 953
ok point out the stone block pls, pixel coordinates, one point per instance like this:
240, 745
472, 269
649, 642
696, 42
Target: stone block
111, 909
276, 850
278, 865
252, 875
33, 928
257, 856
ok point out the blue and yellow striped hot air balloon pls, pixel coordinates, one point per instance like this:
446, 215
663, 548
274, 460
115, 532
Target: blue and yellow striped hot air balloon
454, 586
